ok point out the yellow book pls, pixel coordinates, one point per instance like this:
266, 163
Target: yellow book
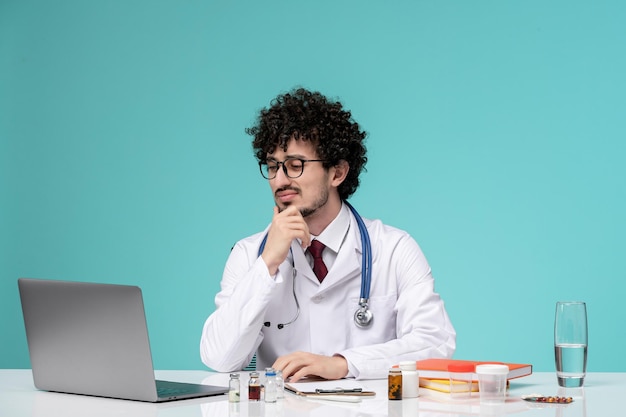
443, 385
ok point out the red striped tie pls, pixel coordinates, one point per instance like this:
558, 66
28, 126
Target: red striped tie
319, 267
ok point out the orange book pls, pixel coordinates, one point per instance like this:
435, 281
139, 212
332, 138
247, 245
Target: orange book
438, 368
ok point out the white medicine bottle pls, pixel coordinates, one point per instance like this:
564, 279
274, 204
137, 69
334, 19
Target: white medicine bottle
410, 379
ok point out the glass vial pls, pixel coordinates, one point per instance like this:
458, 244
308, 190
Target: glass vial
254, 387
410, 379
280, 385
270, 386
234, 388
263, 379
395, 384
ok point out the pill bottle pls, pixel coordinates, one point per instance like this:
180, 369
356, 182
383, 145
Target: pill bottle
410, 379
234, 388
394, 386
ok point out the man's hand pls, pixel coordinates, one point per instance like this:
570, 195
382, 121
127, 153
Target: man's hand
286, 226
297, 365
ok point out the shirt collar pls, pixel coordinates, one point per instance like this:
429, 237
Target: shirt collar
335, 233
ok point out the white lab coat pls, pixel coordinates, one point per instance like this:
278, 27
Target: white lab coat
410, 321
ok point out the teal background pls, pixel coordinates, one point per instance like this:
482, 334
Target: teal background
496, 138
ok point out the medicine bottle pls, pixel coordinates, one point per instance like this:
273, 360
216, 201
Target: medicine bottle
394, 386
234, 388
280, 385
254, 387
410, 379
270, 386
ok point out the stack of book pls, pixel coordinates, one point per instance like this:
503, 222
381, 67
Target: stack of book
434, 374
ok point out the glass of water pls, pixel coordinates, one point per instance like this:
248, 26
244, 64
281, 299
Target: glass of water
570, 343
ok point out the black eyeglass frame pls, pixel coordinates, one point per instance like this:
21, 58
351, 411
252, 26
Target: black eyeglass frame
278, 163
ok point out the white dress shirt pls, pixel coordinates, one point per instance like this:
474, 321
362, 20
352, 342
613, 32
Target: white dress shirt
333, 237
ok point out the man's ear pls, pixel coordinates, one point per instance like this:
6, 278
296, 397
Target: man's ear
340, 172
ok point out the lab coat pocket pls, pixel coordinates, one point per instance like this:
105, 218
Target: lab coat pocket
383, 325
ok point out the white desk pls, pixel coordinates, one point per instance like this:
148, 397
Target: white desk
602, 395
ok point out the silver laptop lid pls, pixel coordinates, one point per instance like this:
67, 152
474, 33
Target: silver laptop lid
87, 338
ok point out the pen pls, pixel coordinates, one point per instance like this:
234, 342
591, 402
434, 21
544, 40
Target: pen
341, 398
337, 390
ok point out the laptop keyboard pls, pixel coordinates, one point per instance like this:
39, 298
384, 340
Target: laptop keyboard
171, 392
172, 389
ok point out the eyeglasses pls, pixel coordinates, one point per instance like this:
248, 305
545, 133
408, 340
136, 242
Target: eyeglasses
292, 167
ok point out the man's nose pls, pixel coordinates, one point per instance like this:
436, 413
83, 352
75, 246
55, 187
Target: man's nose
281, 176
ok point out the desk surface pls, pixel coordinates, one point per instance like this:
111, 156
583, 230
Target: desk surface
601, 395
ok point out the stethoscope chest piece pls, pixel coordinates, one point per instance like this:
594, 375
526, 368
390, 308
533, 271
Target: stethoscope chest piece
363, 316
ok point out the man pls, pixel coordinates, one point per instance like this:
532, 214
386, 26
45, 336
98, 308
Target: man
296, 310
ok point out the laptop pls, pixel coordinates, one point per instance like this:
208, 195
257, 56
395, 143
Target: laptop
92, 339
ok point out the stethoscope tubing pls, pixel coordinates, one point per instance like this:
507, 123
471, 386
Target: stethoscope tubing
363, 316
366, 259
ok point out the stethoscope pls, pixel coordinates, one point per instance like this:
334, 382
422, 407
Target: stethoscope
362, 316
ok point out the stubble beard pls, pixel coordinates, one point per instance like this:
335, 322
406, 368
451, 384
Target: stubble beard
317, 204
311, 210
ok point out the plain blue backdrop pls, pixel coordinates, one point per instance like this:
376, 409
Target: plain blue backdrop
495, 134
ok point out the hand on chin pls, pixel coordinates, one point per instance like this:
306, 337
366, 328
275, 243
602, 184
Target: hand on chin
283, 206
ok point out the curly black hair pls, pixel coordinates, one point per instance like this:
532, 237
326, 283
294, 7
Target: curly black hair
310, 116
